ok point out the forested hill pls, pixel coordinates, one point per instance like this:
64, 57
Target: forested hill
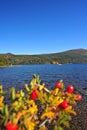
70, 56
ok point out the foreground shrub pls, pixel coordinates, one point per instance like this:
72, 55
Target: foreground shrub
37, 107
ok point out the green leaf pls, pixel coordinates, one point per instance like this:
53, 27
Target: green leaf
66, 123
35, 80
33, 83
60, 128
12, 93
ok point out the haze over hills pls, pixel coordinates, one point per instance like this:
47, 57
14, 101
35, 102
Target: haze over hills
69, 56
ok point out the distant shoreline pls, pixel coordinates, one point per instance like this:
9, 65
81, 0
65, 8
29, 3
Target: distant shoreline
3, 66
70, 56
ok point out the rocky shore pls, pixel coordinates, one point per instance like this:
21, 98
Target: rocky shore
79, 122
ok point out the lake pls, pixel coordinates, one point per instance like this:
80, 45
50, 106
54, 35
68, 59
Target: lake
17, 76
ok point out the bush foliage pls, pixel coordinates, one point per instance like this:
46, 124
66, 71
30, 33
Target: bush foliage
37, 108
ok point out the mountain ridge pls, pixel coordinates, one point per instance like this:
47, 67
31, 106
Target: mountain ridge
70, 56
79, 50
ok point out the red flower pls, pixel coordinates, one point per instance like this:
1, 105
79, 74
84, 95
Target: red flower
11, 126
58, 85
34, 95
78, 97
70, 89
63, 105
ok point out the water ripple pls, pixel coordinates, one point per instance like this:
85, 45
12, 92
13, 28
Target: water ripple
17, 76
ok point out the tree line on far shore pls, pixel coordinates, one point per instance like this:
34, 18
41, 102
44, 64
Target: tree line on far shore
72, 56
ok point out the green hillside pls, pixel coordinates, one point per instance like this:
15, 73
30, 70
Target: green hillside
70, 56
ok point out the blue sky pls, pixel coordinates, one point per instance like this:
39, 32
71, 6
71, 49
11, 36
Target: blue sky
42, 26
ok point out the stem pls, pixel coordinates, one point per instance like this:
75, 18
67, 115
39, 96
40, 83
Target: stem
47, 120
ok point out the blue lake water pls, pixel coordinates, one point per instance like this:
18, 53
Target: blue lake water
17, 76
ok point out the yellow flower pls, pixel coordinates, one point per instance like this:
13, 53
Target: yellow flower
49, 114
40, 87
70, 110
15, 104
30, 125
26, 87
1, 87
1, 102
56, 101
32, 107
1, 99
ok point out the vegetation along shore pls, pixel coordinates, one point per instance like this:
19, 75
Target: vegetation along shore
71, 56
38, 108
